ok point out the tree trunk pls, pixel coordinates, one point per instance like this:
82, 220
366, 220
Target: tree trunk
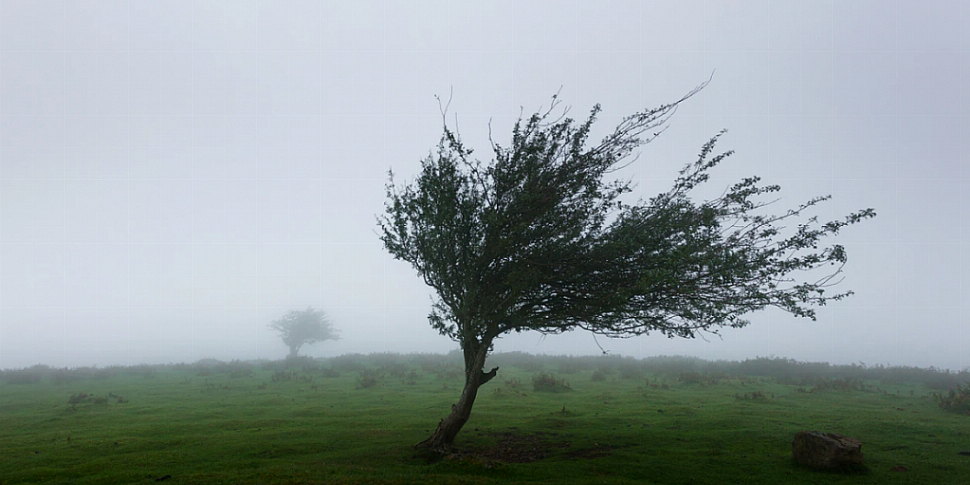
443, 438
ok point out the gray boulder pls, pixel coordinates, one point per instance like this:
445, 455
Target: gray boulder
827, 451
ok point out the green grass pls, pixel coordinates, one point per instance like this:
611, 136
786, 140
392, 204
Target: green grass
211, 426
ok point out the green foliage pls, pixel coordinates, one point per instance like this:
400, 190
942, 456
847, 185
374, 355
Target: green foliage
307, 327
539, 239
955, 400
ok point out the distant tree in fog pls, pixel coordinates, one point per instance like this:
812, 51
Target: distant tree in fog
307, 327
540, 239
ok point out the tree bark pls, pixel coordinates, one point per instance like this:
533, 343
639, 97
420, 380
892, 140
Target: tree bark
443, 438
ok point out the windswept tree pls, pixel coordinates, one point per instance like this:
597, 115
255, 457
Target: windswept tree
540, 238
307, 327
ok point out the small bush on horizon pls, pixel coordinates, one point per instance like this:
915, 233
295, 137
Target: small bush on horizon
65, 376
754, 396
510, 387
24, 376
368, 378
956, 400
546, 382
447, 371
631, 371
844, 384
692, 377
349, 362
394, 369
524, 361
411, 378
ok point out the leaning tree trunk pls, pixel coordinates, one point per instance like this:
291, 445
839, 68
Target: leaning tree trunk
443, 438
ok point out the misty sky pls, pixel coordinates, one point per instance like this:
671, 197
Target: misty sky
174, 175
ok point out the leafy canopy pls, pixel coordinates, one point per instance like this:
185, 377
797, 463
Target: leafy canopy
309, 326
540, 239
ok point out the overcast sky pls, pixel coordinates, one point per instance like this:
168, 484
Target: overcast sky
174, 175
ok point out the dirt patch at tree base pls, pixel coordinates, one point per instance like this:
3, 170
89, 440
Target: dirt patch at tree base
514, 447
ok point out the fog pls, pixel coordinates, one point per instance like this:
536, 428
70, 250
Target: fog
175, 175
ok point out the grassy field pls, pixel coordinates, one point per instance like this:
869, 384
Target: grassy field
353, 419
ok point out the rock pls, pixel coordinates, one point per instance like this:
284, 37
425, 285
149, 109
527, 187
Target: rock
826, 451
964, 452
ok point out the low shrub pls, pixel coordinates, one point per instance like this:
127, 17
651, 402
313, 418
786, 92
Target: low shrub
394, 369
569, 365
657, 384
78, 398
411, 378
511, 387
299, 361
692, 377
599, 375
368, 378
546, 382
844, 384
349, 362
513, 384
526, 362
630, 371
328, 372
281, 376
955, 400
64, 376
447, 371
32, 375
754, 396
